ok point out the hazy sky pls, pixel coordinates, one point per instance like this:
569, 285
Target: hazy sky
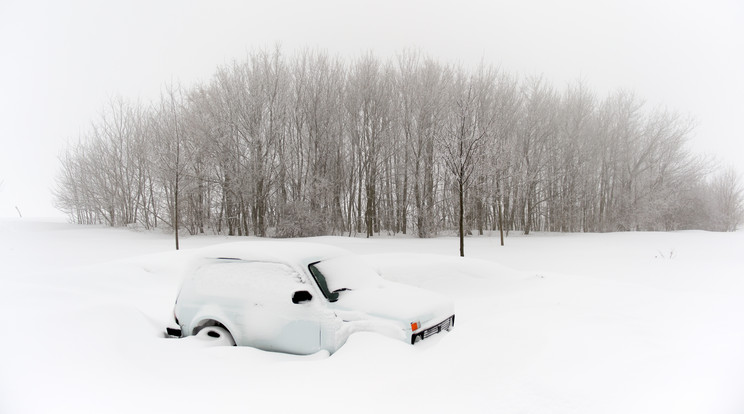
61, 61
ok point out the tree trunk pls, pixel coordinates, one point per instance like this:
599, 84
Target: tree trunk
462, 230
501, 223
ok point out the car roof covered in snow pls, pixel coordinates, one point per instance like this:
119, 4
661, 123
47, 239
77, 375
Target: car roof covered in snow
290, 252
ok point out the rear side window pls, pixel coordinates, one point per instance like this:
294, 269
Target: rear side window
255, 281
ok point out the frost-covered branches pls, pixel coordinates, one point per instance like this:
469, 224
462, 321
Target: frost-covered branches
726, 206
310, 144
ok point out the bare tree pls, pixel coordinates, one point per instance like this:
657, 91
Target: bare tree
368, 108
422, 85
470, 123
171, 152
536, 139
728, 200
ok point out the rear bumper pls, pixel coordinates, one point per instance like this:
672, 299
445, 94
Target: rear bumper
445, 325
171, 332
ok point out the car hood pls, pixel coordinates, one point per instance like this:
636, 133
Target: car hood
394, 302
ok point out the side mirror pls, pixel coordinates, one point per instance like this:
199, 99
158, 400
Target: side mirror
302, 296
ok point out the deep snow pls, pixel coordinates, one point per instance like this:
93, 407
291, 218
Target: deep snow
550, 323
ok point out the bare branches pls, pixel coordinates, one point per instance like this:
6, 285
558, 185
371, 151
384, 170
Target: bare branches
310, 144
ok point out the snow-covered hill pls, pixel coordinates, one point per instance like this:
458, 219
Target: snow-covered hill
574, 323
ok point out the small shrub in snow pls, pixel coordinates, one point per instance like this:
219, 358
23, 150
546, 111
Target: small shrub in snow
300, 220
661, 255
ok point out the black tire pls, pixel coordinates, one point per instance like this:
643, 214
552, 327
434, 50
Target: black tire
217, 334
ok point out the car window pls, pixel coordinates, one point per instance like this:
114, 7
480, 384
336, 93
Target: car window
243, 279
320, 279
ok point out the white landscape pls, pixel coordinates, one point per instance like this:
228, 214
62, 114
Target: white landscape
576, 125
631, 322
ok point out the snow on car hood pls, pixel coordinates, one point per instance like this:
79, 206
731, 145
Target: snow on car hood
395, 302
348, 272
363, 295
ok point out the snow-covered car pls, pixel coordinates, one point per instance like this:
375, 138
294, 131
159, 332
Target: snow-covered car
299, 298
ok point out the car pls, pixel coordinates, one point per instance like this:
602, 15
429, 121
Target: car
299, 298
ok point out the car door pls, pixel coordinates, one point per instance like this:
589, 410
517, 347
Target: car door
264, 308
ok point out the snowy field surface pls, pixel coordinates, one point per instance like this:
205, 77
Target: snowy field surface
550, 323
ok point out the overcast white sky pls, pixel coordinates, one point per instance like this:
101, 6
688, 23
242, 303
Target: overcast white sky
60, 61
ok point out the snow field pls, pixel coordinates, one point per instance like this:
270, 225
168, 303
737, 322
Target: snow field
549, 323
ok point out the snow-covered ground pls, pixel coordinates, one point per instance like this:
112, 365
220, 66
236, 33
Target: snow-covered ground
550, 323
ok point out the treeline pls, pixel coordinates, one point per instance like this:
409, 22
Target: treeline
310, 144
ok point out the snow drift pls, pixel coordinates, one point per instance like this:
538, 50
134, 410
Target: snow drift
576, 323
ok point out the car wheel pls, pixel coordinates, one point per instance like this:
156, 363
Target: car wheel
216, 334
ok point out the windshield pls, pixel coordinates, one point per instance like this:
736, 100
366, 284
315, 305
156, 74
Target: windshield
342, 273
